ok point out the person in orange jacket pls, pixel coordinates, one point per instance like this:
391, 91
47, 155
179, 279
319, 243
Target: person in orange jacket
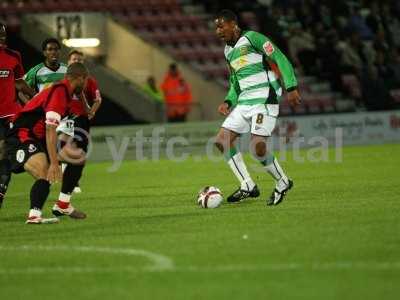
177, 94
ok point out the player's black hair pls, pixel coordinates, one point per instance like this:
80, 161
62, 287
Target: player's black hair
173, 66
227, 15
77, 69
49, 41
74, 51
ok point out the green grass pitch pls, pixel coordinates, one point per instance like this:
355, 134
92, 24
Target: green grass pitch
336, 236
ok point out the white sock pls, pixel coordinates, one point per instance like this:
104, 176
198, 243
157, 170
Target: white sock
37, 213
66, 198
276, 171
238, 167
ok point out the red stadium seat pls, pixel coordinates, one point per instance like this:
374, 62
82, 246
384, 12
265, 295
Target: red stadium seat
140, 22
298, 109
313, 105
284, 108
351, 83
8, 7
13, 22
327, 103
161, 38
35, 6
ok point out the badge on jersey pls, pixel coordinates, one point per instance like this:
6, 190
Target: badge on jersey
32, 148
20, 156
268, 48
243, 50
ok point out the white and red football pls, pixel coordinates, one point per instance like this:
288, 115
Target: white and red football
210, 197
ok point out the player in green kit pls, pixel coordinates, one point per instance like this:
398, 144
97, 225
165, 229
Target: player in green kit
51, 70
259, 73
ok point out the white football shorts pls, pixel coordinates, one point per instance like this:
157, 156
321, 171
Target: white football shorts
259, 119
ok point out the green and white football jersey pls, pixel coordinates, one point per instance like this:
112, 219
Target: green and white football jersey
40, 76
251, 77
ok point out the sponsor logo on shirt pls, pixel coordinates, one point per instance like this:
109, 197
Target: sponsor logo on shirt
32, 148
5, 73
243, 50
20, 156
268, 48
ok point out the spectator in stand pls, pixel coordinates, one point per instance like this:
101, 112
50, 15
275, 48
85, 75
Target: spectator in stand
380, 41
152, 90
383, 70
374, 92
306, 16
287, 20
374, 19
302, 49
392, 26
394, 65
177, 94
357, 23
353, 57
394, 29
270, 25
327, 48
325, 16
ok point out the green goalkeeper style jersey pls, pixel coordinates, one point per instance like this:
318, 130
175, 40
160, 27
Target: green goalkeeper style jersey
41, 77
251, 77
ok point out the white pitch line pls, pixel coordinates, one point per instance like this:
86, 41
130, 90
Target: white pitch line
158, 262
161, 263
333, 266
386, 266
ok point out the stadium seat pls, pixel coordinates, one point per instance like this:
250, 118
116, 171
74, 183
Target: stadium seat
395, 95
8, 7
96, 5
351, 83
345, 105
161, 38
284, 108
186, 54
250, 20
300, 109
327, 103
312, 104
13, 22
140, 22
34, 6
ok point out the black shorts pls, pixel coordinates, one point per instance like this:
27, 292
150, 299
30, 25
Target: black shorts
19, 152
4, 128
81, 132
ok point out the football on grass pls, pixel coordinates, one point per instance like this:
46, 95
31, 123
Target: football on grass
210, 197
